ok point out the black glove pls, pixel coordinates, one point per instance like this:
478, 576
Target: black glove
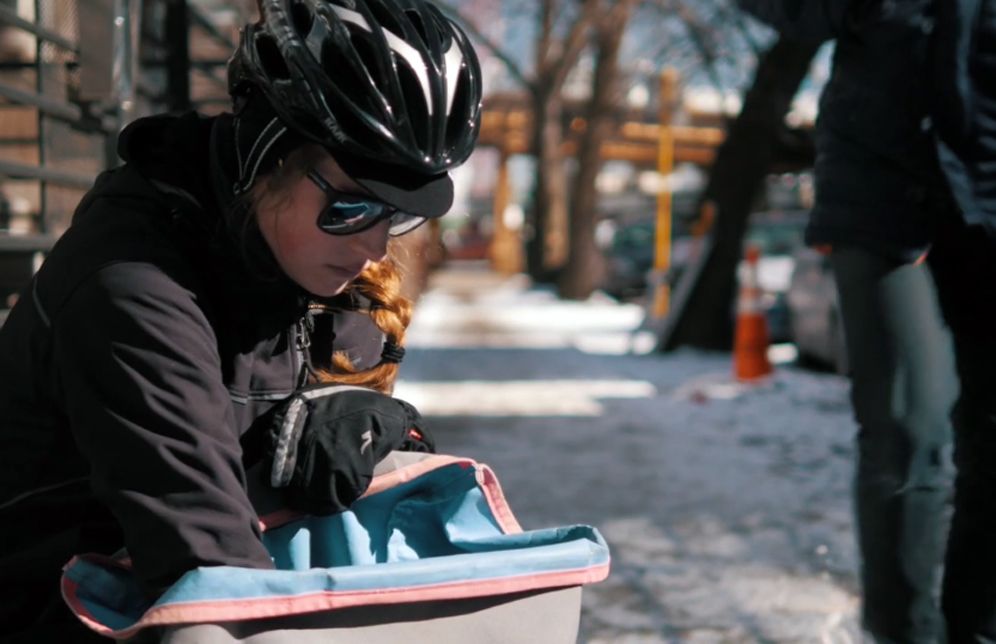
326, 439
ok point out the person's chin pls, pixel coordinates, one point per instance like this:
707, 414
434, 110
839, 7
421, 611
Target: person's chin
327, 289
331, 285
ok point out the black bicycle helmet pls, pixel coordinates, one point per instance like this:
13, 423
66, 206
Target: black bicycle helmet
376, 82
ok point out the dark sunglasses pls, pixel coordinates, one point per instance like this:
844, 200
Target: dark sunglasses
347, 214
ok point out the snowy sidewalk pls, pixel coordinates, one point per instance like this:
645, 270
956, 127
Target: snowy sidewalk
727, 508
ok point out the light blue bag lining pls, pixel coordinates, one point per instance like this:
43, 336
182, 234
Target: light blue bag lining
435, 530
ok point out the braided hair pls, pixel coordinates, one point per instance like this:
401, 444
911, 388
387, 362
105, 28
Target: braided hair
380, 284
391, 312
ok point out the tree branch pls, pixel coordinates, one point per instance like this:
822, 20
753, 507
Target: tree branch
555, 71
513, 67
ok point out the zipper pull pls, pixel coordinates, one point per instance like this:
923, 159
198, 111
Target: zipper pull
303, 342
303, 334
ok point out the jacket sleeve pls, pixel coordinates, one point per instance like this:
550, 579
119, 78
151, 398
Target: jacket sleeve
140, 377
809, 20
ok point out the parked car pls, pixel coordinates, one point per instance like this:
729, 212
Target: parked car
628, 250
630, 258
814, 314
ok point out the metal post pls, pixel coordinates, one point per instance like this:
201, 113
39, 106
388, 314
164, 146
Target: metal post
502, 259
124, 71
177, 39
665, 166
40, 87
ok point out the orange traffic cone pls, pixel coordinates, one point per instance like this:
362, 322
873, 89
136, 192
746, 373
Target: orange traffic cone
750, 346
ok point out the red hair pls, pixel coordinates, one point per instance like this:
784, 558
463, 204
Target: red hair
391, 312
380, 284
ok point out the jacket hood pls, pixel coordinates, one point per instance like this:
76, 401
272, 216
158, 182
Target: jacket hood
175, 150
187, 156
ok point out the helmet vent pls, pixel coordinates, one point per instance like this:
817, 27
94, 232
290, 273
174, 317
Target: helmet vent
386, 19
302, 19
458, 116
270, 58
415, 18
415, 101
348, 77
368, 54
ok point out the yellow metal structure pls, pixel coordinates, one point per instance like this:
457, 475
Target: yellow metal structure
506, 246
665, 166
506, 125
633, 141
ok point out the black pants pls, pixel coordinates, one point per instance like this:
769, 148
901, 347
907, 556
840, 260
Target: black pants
903, 387
964, 264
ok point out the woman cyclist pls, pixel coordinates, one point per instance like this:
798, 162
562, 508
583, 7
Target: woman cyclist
180, 307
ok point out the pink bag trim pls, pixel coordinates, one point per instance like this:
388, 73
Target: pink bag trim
496, 500
263, 608
68, 589
486, 479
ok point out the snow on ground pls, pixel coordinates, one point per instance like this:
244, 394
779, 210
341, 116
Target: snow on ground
726, 506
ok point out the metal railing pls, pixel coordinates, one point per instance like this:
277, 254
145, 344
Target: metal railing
10, 17
66, 85
72, 73
67, 71
184, 48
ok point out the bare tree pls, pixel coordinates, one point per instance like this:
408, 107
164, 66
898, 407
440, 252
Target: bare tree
752, 145
709, 36
681, 32
558, 47
584, 266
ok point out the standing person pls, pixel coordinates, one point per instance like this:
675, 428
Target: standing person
964, 261
177, 309
882, 203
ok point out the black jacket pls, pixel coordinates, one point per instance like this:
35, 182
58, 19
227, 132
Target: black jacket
964, 77
134, 363
878, 180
